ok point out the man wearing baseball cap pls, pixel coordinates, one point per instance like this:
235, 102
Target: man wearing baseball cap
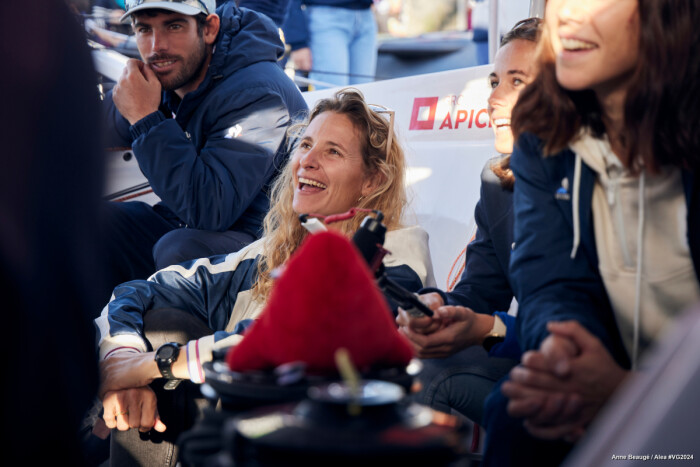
206, 112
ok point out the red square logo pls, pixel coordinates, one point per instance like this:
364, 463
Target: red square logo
423, 115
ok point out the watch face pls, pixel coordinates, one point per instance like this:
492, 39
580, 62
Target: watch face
166, 352
165, 357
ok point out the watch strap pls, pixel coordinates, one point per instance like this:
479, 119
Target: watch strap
171, 384
496, 335
165, 364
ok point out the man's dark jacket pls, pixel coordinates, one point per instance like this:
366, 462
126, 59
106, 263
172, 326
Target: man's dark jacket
212, 162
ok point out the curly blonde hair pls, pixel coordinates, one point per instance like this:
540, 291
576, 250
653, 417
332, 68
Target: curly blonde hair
283, 232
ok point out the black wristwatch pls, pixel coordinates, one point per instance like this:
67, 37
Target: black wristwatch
165, 357
496, 335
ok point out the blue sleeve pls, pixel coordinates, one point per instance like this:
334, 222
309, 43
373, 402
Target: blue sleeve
196, 287
484, 285
548, 283
296, 26
211, 187
116, 127
509, 348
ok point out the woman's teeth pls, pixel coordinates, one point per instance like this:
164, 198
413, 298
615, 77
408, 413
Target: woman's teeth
307, 181
502, 124
575, 44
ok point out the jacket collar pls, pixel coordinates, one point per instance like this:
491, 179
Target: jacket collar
587, 181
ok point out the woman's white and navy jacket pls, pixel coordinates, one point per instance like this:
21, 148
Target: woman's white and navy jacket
218, 291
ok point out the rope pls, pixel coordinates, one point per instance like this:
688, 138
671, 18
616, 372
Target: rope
451, 283
135, 195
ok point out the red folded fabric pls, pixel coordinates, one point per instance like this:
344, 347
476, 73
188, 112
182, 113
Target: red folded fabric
326, 299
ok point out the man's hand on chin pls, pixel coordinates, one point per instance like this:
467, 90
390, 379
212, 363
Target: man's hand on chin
138, 91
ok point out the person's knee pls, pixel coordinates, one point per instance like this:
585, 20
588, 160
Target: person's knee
179, 246
130, 230
126, 215
187, 244
509, 443
495, 408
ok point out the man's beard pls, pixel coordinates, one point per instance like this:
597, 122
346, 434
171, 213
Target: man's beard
191, 69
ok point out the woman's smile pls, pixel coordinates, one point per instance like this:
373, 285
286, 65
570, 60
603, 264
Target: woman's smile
329, 172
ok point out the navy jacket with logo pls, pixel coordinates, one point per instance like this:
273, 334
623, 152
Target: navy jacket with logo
212, 162
548, 283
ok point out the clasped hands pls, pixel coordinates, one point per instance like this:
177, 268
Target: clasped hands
449, 330
559, 388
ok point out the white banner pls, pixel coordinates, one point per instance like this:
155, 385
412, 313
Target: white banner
442, 121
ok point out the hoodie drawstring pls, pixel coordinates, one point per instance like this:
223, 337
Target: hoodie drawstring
575, 206
638, 279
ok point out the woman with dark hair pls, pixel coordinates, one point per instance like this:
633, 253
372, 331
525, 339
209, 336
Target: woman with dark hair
607, 225
477, 307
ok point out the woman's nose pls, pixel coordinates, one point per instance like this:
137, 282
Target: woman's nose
571, 10
496, 98
309, 159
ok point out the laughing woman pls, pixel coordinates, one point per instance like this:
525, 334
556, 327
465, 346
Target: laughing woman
607, 213
346, 157
458, 374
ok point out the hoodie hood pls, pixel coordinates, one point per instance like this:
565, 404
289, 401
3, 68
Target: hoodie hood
246, 37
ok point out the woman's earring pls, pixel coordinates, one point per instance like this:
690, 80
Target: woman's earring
360, 199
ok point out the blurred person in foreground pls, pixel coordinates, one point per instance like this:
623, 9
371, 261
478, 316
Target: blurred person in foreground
607, 226
345, 157
458, 373
50, 265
